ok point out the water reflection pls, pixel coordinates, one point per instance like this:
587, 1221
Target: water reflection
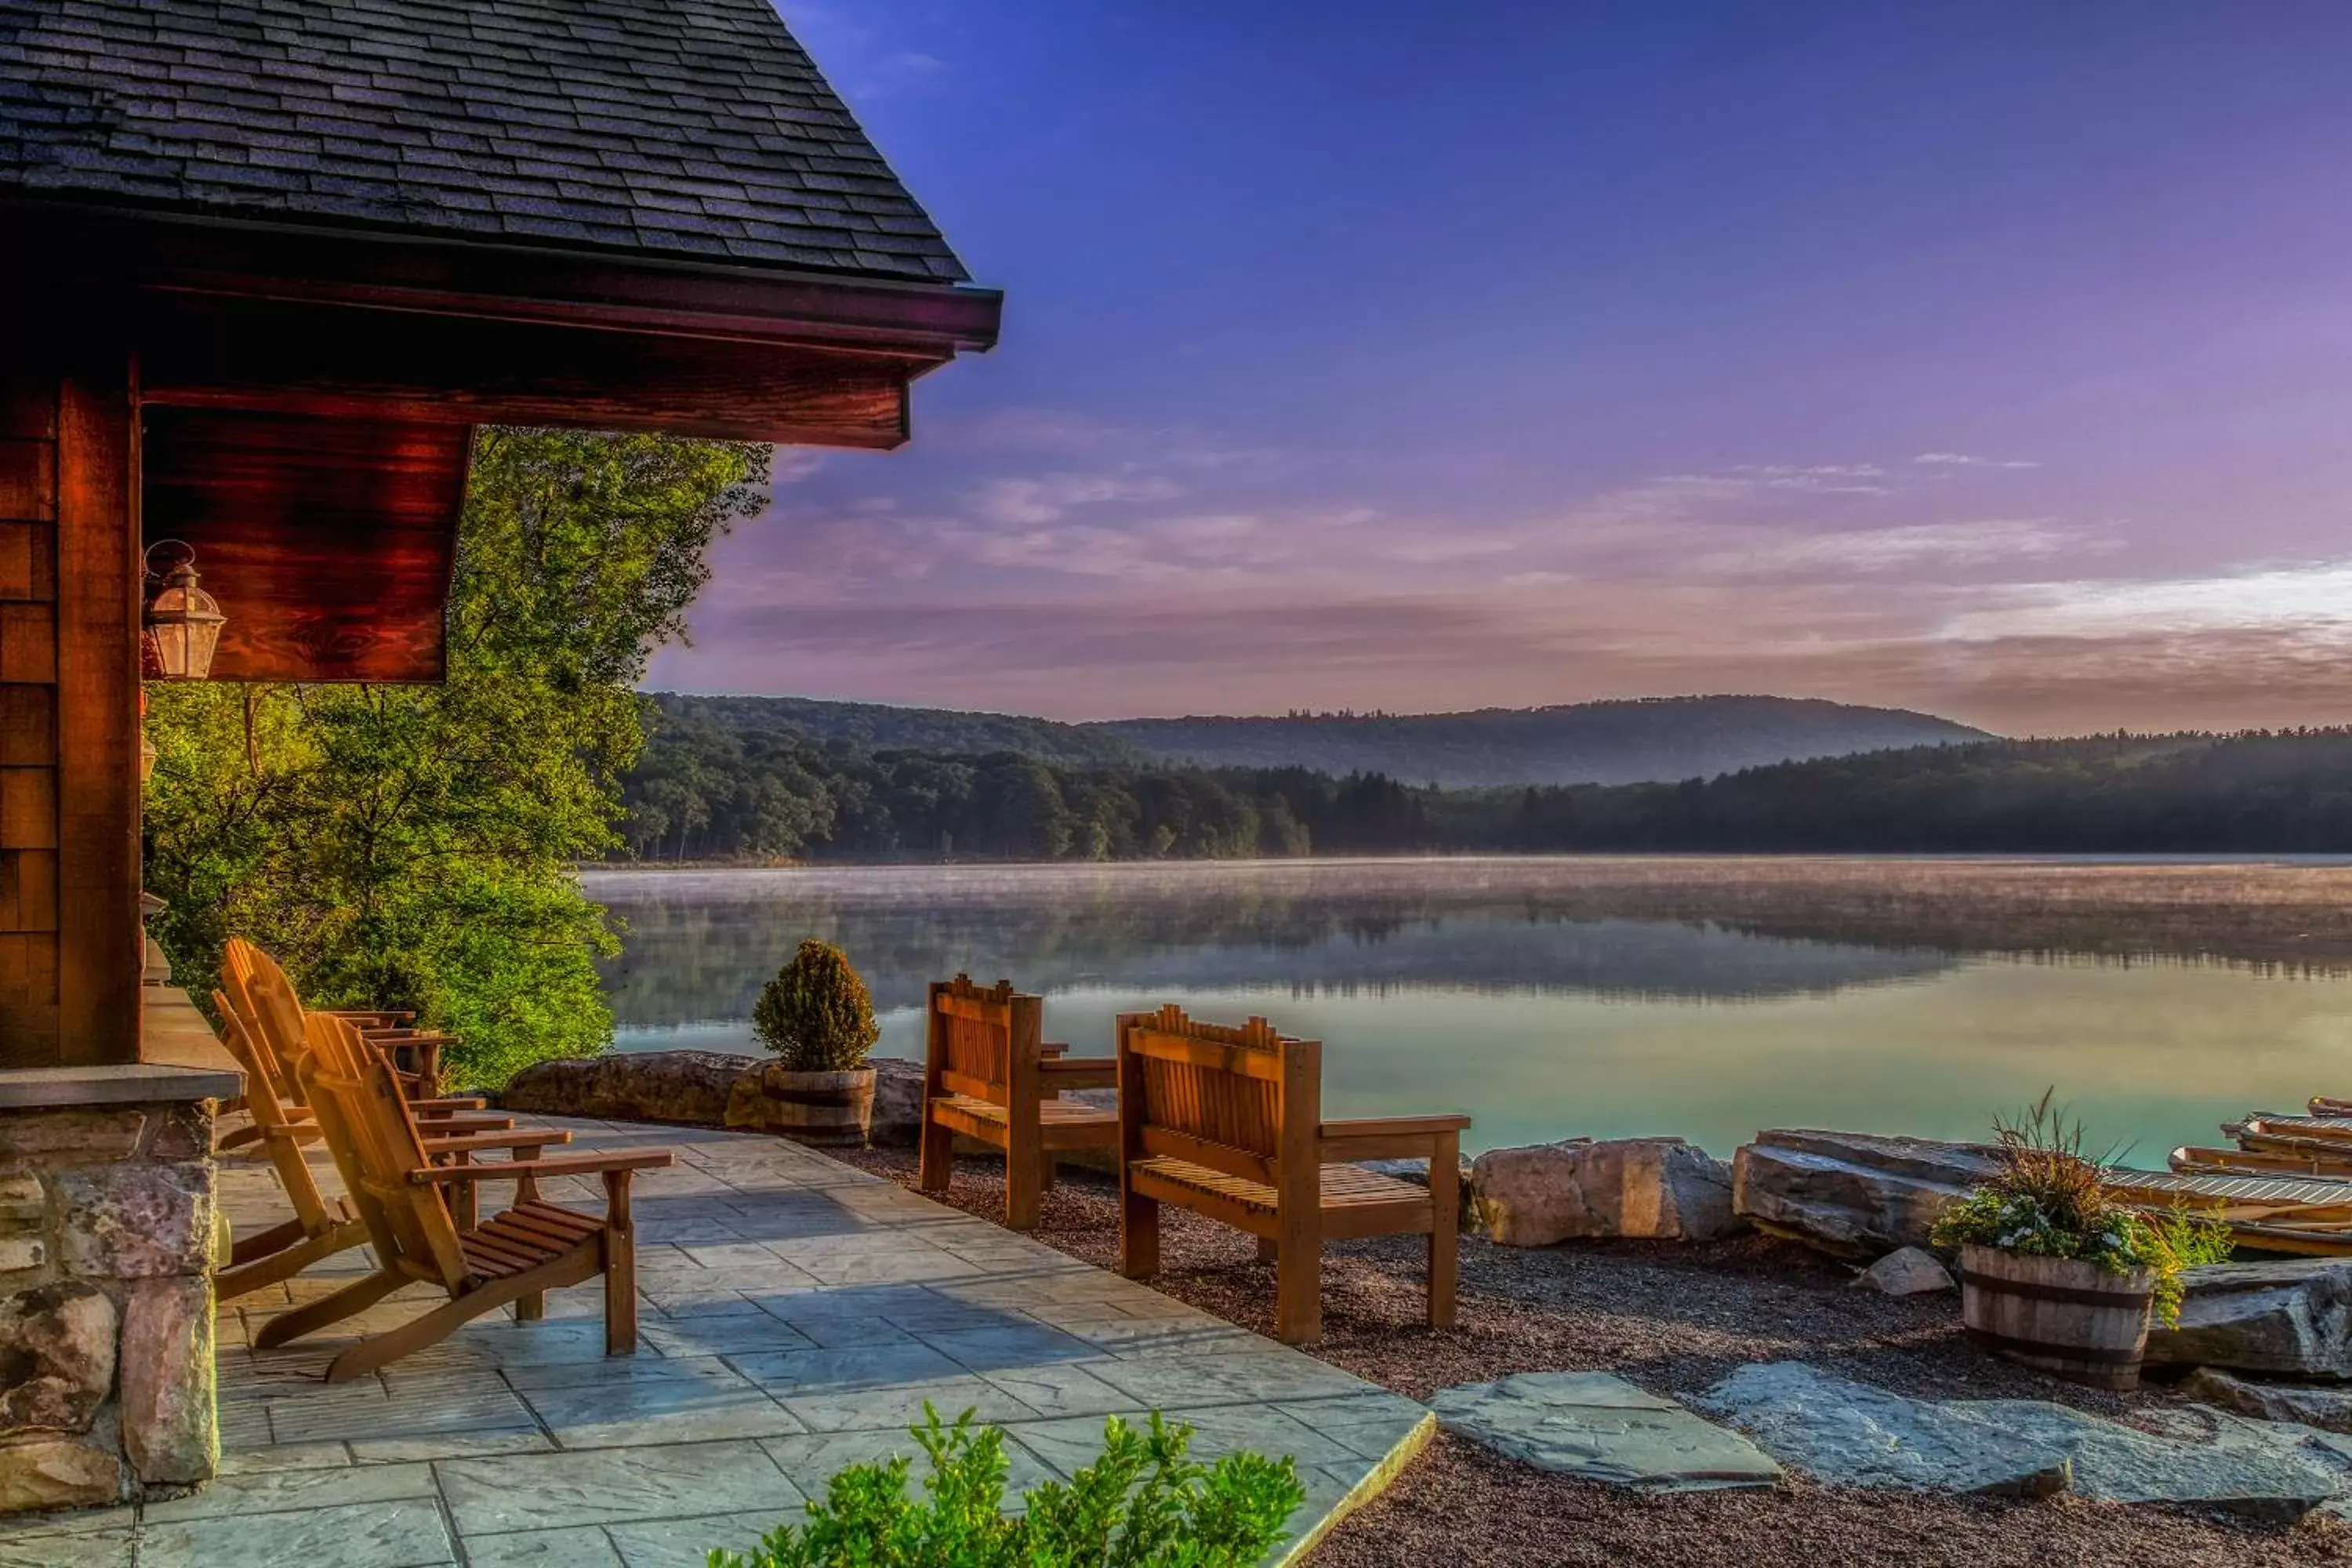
1606, 997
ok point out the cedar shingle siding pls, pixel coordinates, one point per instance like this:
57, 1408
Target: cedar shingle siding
688, 127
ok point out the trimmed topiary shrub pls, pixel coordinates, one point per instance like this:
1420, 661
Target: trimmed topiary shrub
1143, 1504
817, 1014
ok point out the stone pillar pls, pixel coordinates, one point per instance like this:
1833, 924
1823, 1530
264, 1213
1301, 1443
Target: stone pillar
108, 1227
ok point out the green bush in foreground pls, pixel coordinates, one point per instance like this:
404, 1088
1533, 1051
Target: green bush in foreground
1143, 1504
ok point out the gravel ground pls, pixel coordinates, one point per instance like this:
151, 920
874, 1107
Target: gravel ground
1674, 1318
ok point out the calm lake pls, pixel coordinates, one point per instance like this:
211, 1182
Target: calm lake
1603, 997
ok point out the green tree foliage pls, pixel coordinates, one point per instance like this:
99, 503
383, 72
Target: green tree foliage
409, 846
817, 1014
1142, 1504
722, 786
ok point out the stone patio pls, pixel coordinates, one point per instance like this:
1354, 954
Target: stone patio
796, 1314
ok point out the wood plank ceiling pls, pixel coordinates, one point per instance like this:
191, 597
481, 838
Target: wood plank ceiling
328, 541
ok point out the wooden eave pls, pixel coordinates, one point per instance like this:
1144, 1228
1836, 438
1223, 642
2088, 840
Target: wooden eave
307, 393
298, 318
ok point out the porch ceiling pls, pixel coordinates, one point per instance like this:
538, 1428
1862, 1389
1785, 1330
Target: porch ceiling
328, 541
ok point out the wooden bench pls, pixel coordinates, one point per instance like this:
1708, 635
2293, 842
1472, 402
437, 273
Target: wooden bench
516, 1257
989, 1074
1228, 1122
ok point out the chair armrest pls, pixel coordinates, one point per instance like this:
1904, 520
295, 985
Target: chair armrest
1049, 1049
1391, 1126
451, 1126
448, 1103
467, 1142
1386, 1137
562, 1165
381, 1014
1079, 1072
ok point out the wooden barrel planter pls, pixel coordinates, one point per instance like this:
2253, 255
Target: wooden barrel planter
831, 1109
2060, 1315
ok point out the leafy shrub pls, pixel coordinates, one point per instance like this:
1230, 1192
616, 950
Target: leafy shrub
1143, 1504
2052, 1200
817, 1014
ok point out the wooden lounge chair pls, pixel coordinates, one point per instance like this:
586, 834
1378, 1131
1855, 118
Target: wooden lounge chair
256, 990
516, 1257
416, 1053
322, 1226
989, 1074
1228, 1122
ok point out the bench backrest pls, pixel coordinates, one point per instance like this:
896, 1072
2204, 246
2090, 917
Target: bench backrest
366, 1124
1246, 1101
982, 1041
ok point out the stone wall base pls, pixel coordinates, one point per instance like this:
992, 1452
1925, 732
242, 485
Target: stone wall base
108, 1233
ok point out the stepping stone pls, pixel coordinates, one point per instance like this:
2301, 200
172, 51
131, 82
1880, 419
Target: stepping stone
1850, 1433
1601, 1428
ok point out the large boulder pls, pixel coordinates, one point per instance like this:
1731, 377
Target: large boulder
1853, 1194
2291, 1316
1653, 1187
685, 1087
2304, 1404
898, 1100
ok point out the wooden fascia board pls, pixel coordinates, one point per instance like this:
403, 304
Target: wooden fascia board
350, 362
204, 253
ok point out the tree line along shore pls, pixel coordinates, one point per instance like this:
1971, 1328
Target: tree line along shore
710, 789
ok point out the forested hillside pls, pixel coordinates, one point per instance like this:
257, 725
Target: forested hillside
878, 727
1587, 743
712, 790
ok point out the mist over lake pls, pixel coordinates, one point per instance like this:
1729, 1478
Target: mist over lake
1608, 996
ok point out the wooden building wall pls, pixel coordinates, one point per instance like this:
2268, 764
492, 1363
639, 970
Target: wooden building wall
69, 935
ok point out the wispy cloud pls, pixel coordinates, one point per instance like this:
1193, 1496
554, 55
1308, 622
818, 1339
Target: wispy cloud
1966, 460
1024, 502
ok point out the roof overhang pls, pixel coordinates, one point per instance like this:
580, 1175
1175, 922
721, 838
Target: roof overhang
307, 393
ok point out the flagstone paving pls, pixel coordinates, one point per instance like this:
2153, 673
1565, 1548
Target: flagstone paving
795, 1315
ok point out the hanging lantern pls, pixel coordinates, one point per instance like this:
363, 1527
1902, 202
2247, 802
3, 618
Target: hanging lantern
183, 621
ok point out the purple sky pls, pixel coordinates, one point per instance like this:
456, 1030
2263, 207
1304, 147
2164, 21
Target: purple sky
1985, 359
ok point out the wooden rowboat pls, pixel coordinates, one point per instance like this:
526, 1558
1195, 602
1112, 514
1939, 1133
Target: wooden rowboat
2266, 1209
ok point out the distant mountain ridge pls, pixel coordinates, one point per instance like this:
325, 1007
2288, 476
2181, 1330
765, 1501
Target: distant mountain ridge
878, 727
1626, 742
1637, 740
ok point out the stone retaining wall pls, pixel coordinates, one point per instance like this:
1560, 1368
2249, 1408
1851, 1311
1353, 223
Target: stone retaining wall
107, 1222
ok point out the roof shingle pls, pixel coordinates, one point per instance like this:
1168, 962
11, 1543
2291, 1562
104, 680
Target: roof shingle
685, 128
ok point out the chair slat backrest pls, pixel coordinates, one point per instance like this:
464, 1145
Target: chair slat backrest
259, 987
269, 1112
366, 1123
982, 1041
1231, 1099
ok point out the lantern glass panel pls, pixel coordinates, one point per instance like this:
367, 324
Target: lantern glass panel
184, 625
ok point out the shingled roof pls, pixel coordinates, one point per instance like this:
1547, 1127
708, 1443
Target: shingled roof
690, 128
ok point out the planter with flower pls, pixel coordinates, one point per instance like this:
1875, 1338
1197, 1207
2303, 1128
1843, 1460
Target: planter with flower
817, 1017
2056, 1271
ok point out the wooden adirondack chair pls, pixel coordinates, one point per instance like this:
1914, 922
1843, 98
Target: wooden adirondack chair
989, 1074
258, 991
1228, 1122
517, 1256
416, 1053
322, 1226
